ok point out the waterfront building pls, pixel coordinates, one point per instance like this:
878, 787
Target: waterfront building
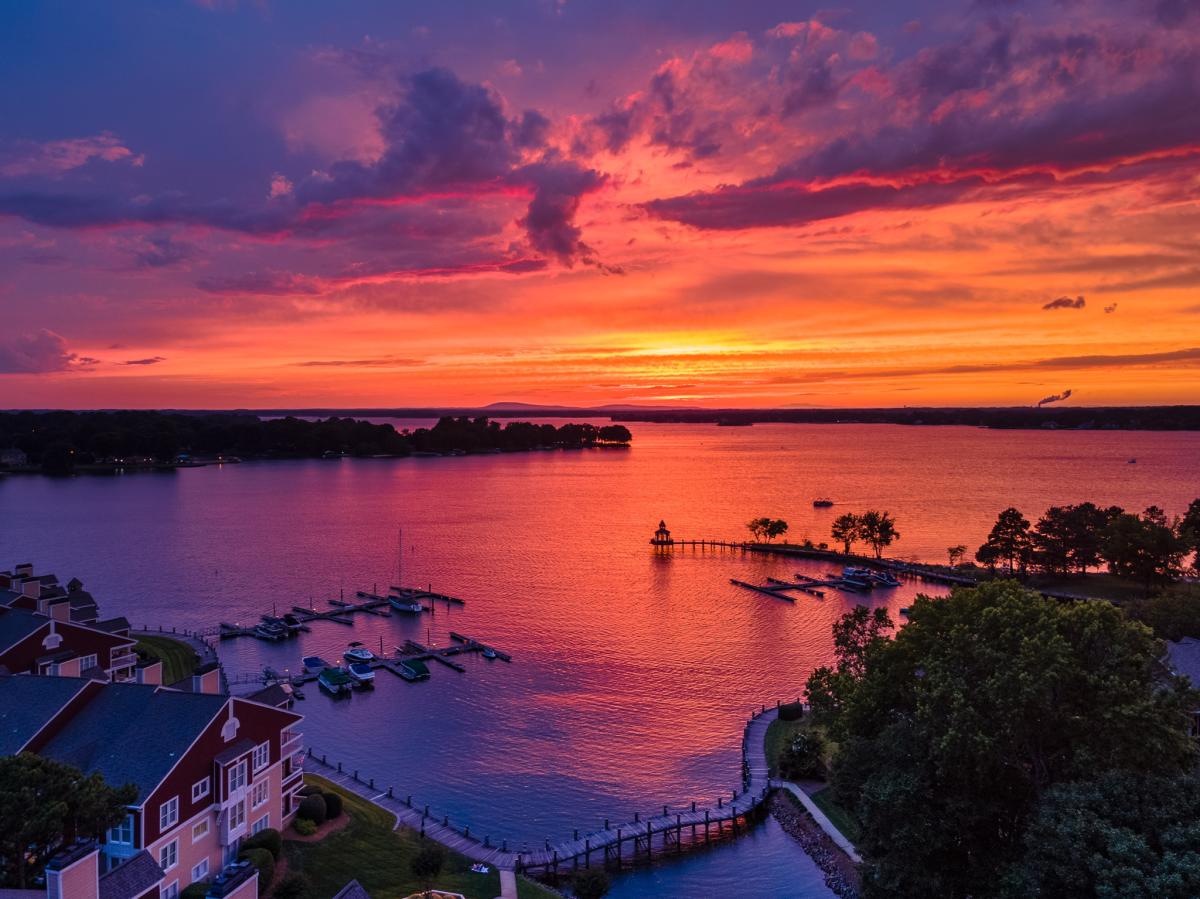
21, 588
36, 643
662, 537
209, 769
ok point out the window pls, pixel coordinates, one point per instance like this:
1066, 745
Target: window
262, 756
168, 813
258, 795
199, 830
237, 776
168, 856
201, 870
123, 832
237, 815
86, 662
200, 789
171, 892
261, 824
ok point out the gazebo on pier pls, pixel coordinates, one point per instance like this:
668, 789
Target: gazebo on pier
662, 537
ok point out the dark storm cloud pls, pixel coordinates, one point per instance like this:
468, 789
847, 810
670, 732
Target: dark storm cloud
1066, 303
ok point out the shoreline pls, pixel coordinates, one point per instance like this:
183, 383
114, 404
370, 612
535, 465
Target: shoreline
841, 874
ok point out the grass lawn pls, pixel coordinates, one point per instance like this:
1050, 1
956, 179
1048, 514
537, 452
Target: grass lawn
841, 818
779, 735
178, 659
369, 850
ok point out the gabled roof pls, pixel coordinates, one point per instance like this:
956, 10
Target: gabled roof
352, 890
28, 703
132, 878
1184, 658
17, 624
160, 724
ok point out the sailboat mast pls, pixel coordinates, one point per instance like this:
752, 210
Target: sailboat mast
400, 558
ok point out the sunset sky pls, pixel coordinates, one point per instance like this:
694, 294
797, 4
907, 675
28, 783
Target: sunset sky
223, 204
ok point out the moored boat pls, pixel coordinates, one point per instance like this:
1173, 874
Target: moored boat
489, 653
335, 681
356, 652
822, 503
315, 663
413, 670
403, 603
270, 630
362, 673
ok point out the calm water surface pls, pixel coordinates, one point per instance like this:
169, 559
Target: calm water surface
633, 671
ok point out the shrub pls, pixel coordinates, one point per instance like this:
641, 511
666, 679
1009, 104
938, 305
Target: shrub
291, 887
426, 865
310, 790
268, 839
791, 711
304, 827
803, 757
333, 805
313, 808
197, 890
265, 862
590, 884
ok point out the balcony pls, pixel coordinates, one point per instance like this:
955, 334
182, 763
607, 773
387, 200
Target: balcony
290, 743
125, 660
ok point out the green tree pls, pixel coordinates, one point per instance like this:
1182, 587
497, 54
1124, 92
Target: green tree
1123, 835
1009, 540
1172, 615
845, 530
46, 805
758, 528
955, 554
590, 883
855, 635
1146, 548
1052, 539
776, 527
803, 757
427, 864
878, 529
985, 701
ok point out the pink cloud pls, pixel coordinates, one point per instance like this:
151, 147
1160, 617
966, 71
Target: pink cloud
54, 158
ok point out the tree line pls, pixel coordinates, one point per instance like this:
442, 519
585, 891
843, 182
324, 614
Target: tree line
57, 442
1148, 548
1004, 745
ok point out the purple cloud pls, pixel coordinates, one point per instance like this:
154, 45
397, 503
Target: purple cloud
1066, 303
151, 360
40, 353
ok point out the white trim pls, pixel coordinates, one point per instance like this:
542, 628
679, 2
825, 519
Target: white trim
207, 822
167, 890
197, 874
171, 808
163, 848
206, 784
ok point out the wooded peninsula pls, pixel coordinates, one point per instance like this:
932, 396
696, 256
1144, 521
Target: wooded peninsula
66, 442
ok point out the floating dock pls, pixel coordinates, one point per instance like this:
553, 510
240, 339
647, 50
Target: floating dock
343, 611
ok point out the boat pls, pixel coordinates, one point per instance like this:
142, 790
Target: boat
885, 579
1133, 461
356, 652
315, 663
489, 653
270, 630
480, 868
857, 577
335, 681
822, 503
294, 625
283, 625
403, 603
414, 670
362, 673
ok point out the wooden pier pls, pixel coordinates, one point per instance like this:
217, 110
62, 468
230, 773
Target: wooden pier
343, 611
677, 829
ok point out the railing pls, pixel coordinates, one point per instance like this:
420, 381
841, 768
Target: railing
125, 660
289, 743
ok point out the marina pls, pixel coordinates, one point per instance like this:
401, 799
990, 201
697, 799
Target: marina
402, 599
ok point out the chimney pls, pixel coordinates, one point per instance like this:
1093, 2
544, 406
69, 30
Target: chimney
74, 873
32, 587
60, 609
25, 569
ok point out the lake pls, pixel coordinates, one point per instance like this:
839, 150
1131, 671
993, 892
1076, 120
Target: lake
634, 670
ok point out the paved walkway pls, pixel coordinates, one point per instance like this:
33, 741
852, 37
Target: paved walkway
508, 884
821, 818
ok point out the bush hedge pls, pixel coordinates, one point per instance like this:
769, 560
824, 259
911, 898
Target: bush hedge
269, 839
333, 805
313, 808
294, 886
197, 890
791, 711
310, 790
305, 827
265, 862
